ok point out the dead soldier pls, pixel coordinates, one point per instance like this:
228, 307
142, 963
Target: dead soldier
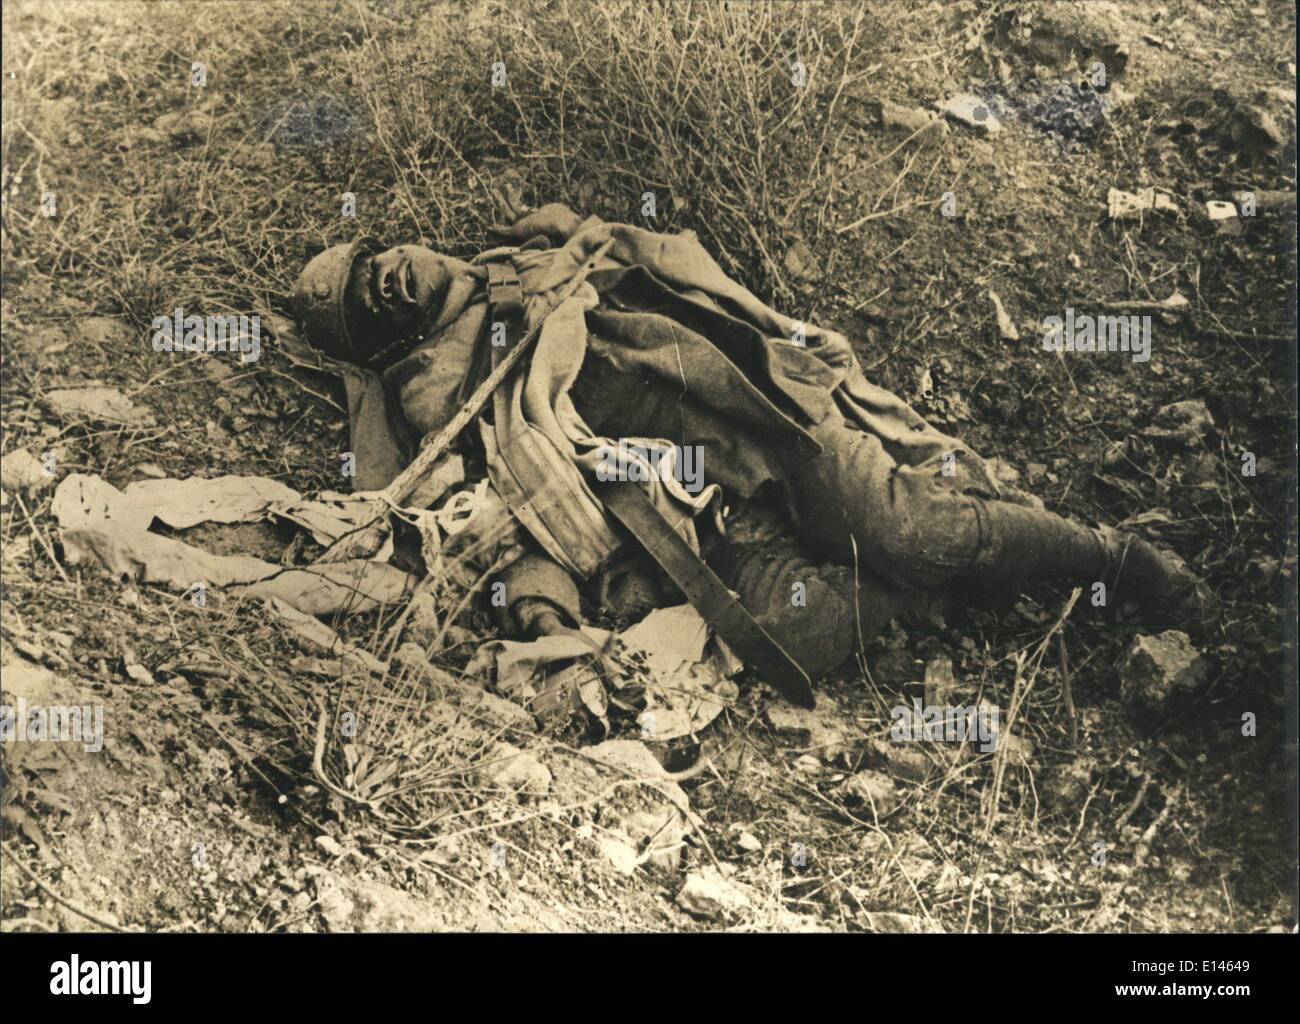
659, 349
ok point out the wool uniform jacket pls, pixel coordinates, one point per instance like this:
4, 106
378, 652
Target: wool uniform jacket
657, 306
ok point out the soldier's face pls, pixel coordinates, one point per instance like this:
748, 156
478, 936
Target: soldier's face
392, 293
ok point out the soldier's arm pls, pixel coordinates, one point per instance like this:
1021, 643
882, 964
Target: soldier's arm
542, 600
554, 220
541, 597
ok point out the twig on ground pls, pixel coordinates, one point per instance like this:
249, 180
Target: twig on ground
74, 907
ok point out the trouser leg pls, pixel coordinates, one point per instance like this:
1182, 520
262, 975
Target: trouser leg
815, 611
1027, 545
916, 527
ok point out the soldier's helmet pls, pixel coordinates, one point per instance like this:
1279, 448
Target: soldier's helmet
319, 297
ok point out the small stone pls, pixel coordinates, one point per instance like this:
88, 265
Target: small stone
102, 404
940, 681
1258, 129
874, 790
889, 923
1158, 667
335, 905
1182, 423
749, 842
1073, 33
22, 471
658, 832
499, 712
1007, 330
816, 731
618, 851
901, 760
509, 767
800, 262
969, 110
424, 623
139, 674
184, 126
909, 119
707, 894
1121, 205
807, 763
329, 845
105, 331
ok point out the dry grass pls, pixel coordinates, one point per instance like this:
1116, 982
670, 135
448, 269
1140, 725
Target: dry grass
695, 104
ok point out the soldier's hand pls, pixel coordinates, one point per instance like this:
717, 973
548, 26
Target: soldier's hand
554, 220
510, 205
549, 623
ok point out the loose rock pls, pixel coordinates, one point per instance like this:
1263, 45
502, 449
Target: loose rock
1083, 33
969, 110
889, 923
1121, 205
818, 732
22, 471
901, 760
707, 894
800, 262
509, 767
749, 842
909, 119
1006, 326
872, 789
1158, 667
106, 405
1182, 423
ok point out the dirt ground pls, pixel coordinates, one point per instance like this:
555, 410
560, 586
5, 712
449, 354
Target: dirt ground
839, 201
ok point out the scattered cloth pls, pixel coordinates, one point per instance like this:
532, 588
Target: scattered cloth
355, 586
322, 637
101, 404
675, 674
100, 525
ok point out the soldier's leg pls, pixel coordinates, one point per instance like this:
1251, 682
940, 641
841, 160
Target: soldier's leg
915, 527
815, 611
854, 504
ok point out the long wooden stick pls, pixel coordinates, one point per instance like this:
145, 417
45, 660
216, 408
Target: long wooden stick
365, 539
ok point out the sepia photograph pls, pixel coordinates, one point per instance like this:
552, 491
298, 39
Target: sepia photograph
660, 467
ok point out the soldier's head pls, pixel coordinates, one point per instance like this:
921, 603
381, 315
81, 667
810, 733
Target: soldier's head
358, 300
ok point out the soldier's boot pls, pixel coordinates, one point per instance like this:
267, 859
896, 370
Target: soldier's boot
1169, 592
1027, 545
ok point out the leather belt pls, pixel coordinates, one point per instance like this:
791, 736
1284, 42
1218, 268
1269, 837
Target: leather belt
630, 505
717, 605
505, 292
